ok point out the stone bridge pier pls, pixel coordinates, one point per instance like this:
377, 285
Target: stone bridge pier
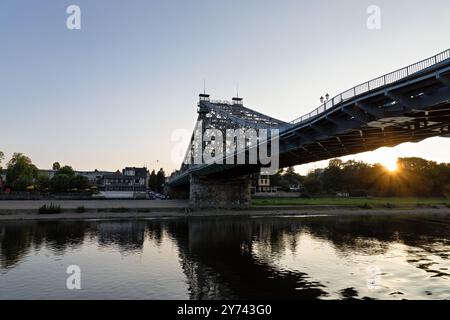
228, 193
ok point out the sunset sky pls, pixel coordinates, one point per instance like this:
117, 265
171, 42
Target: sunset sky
111, 94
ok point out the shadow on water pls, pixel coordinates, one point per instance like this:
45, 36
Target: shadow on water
217, 255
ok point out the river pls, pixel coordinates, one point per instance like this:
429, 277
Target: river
302, 257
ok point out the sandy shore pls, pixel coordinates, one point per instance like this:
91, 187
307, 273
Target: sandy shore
27, 210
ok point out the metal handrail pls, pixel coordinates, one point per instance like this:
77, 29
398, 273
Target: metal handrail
375, 84
222, 102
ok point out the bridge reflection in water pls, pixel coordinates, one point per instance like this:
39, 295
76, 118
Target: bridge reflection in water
249, 258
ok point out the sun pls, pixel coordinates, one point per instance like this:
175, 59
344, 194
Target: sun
390, 165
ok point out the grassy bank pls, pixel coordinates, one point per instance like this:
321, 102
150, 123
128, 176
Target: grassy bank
333, 201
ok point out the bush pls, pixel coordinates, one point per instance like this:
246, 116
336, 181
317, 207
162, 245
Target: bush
365, 206
305, 195
390, 205
358, 194
51, 209
80, 209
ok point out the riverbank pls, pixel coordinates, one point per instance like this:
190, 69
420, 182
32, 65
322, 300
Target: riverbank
398, 202
145, 209
32, 206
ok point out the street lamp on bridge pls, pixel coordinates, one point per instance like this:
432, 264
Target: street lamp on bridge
322, 99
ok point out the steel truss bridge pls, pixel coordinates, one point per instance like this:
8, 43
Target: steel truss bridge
407, 105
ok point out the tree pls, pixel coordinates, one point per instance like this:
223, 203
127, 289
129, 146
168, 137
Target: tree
278, 180
56, 166
336, 163
67, 170
332, 176
160, 180
21, 172
291, 178
312, 183
2, 156
60, 183
152, 181
414, 177
290, 171
419, 176
43, 182
354, 177
441, 178
79, 182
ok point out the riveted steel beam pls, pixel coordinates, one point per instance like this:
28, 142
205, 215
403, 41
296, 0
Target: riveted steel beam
445, 79
401, 100
367, 108
358, 115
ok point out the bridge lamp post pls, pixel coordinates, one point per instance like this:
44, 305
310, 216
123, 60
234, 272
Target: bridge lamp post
322, 99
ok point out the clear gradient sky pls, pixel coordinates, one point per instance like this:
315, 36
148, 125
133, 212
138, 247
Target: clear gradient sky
112, 93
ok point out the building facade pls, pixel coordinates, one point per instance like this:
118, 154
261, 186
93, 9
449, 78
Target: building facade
130, 179
261, 183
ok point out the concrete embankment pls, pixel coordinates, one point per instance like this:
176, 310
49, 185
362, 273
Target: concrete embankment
145, 209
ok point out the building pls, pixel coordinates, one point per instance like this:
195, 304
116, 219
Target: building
130, 179
95, 177
141, 173
261, 183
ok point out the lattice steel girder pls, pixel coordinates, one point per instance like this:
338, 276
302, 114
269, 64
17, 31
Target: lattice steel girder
243, 116
224, 117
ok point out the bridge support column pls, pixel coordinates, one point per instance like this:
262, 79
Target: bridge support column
229, 193
177, 192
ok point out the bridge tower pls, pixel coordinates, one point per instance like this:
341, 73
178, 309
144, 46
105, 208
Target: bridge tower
223, 192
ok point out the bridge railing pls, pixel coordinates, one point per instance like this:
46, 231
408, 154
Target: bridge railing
374, 84
222, 102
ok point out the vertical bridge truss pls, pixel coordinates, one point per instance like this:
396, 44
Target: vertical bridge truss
224, 115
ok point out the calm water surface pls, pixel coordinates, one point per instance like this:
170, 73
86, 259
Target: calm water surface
229, 258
